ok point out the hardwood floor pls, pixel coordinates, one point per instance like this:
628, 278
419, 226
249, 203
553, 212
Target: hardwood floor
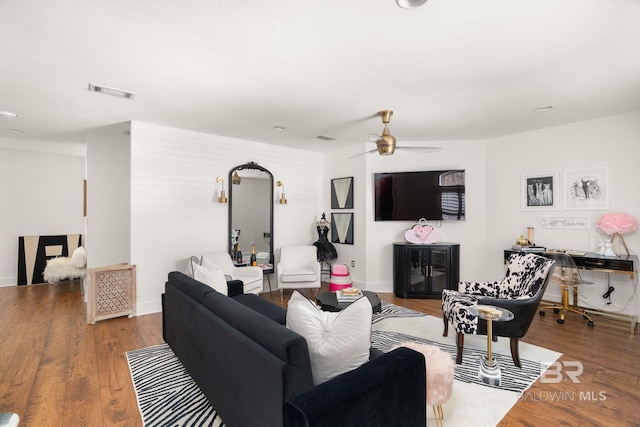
58, 371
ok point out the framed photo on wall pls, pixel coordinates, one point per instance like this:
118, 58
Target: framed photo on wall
342, 228
586, 189
342, 193
540, 191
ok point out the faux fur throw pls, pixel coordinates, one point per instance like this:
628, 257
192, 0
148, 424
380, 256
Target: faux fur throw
62, 268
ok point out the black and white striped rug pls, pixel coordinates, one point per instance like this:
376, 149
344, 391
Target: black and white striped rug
167, 396
390, 310
513, 378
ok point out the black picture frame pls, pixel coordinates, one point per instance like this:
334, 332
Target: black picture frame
540, 191
342, 193
342, 228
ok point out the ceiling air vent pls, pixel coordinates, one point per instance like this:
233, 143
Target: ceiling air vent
112, 91
325, 138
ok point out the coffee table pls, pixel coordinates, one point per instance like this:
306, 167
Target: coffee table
328, 301
489, 372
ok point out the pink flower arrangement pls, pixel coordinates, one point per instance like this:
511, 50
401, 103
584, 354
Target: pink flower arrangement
617, 222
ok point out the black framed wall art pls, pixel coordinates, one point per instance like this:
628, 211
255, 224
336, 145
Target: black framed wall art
342, 228
540, 191
342, 193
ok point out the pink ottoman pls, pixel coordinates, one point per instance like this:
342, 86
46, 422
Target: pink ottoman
340, 278
439, 376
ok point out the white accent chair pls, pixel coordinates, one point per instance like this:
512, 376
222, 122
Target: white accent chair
251, 277
298, 268
263, 258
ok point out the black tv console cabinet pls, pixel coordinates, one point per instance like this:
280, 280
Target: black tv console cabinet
423, 271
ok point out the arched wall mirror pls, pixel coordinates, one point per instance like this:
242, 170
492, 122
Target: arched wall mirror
251, 210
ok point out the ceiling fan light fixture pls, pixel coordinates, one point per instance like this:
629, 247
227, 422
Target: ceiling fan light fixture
386, 144
410, 4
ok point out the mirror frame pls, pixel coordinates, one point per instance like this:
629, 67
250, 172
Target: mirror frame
253, 166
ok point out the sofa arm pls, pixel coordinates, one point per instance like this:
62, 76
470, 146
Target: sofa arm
388, 390
235, 288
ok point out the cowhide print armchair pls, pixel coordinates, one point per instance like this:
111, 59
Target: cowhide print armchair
520, 292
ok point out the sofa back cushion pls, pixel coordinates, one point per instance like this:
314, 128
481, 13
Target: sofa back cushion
189, 286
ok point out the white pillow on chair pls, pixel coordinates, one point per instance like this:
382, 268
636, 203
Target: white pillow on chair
211, 276
79, 257
338, 342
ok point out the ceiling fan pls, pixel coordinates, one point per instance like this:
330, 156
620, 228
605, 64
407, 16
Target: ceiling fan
386, 143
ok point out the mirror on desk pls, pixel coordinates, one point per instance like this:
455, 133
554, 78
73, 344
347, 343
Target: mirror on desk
251, 210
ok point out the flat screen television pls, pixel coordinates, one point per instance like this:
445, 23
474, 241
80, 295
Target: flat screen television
409, 196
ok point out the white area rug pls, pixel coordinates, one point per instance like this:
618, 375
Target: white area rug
471, 404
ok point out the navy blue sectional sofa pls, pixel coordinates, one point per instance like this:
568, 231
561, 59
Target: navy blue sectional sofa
256, 372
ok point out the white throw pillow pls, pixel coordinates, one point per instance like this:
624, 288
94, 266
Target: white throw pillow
79, 257
338, 342
212, 276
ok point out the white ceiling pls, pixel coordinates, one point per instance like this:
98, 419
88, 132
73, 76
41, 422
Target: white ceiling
450, 69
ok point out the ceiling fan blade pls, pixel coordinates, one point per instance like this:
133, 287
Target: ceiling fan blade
373, 137
419, 149
362, 154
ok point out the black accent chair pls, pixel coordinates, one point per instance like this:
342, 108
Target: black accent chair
520, 292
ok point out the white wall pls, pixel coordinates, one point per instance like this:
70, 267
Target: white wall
373, 240
174, 207
108, 197
175, 214
41, 194
610, 142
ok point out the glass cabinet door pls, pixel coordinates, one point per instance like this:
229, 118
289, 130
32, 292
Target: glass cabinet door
418, 283
438, 264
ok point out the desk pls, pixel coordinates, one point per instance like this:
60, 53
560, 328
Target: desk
624, 264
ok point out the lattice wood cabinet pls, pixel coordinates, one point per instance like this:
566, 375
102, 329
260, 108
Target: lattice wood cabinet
112, 292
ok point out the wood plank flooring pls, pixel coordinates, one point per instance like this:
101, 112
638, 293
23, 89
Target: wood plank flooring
55, 370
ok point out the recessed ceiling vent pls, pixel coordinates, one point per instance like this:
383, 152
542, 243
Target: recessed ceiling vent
112, 91
325, 138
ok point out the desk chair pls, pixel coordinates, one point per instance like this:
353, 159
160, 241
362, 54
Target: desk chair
567, 276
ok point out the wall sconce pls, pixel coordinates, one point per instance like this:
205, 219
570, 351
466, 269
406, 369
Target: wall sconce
222, 198
235, 178
283, 199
